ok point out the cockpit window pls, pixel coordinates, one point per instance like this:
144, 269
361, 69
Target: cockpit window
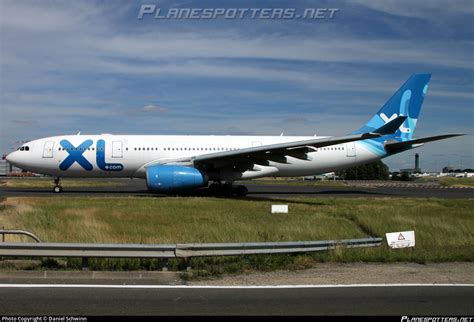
24, 148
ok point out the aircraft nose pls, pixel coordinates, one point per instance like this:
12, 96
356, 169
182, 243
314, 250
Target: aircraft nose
12, 157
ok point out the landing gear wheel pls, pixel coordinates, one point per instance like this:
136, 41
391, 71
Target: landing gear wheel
227, 189
215, 189
57, 185
241, 191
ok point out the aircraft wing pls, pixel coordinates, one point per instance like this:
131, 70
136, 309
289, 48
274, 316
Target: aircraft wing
246, 158
280, 151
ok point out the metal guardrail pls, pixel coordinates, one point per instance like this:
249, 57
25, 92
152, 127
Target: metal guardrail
87, 250
229, 249
175, 250
4, 232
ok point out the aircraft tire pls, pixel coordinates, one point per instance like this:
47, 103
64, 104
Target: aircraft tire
241, 191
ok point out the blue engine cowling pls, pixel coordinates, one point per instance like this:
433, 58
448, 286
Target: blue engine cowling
164, 178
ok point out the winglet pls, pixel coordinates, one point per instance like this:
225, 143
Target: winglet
391, 127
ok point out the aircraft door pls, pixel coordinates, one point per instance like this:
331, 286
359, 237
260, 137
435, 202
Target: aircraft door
351, 149
48, 149
117, 149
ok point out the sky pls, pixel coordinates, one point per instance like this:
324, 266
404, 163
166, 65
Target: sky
94, 67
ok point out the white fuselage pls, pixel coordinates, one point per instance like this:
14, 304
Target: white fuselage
128, 155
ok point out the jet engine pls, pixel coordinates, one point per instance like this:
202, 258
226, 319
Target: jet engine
165, 178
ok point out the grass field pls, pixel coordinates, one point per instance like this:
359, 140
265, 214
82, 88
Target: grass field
444, 228
449, 181
48, 183
318, 183
457, 182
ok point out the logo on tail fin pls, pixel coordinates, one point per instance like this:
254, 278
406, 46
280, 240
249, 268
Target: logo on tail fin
406, 101
388, 119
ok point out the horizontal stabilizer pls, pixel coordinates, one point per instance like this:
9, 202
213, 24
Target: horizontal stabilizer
394, 146
391, 127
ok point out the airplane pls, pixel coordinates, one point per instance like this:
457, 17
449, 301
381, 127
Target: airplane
172, 163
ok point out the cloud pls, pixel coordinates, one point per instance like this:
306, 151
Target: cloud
154, 109
419, 9
315, 49
296, 120
25, 122
82, 65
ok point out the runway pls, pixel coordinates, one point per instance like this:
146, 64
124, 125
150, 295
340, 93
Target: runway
185, 300
137, 187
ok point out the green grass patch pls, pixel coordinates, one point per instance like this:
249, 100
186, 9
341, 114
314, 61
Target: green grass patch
316, 183
449, 181
444, 228
457, 182
48, 183
173, 220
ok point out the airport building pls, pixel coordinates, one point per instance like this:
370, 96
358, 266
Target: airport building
7, 169
416, 169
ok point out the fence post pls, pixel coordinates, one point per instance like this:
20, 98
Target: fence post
85, 263
164, 265
187, 263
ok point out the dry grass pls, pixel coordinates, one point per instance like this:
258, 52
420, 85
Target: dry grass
48, 183
444, 228
449, 181
170, 220
457, 182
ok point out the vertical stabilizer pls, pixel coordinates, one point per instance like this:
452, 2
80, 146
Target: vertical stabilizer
407, 101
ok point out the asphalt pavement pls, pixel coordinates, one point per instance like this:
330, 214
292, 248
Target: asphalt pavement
137, 187
185, 300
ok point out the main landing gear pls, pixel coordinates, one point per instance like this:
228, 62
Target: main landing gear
57, 185
218, 189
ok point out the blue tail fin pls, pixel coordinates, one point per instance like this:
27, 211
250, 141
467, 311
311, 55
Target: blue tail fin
406, 101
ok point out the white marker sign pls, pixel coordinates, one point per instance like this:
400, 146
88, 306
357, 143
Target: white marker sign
401, 239
279, 209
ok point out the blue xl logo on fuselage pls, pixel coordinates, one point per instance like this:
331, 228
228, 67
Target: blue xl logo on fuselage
100, 158
76, 155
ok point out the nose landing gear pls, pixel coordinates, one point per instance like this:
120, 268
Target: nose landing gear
57, 185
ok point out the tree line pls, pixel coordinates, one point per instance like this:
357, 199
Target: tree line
370, 171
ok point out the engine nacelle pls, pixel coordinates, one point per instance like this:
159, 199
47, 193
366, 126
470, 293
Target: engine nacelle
164, 178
